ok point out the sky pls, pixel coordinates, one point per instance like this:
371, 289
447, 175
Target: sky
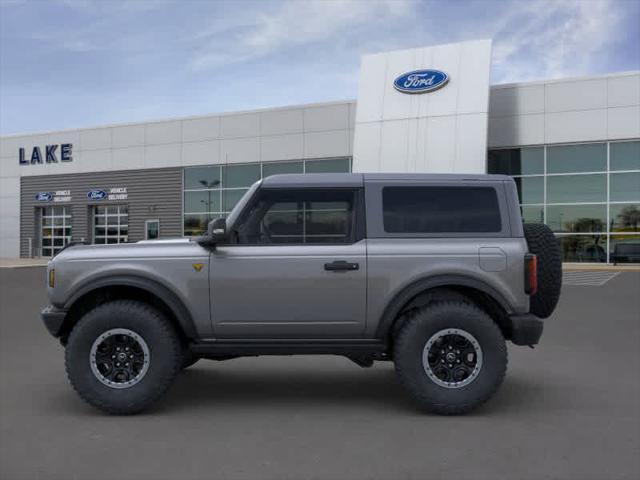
79, 63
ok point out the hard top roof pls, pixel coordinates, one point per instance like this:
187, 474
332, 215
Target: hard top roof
358, 179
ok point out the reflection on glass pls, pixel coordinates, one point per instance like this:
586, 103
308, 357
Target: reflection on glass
532, 213
624, 217
202, 177
231, 197
624, 155
591, 157
195, 224
583, 248
577, 218
202, 201
530, 189
281, 167
517, 161
576, 188
235, 176
337, 165
624, 249
624, 187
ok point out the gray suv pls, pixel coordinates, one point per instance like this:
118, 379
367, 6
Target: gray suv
432, 272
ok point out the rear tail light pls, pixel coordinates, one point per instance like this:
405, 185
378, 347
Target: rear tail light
530, 274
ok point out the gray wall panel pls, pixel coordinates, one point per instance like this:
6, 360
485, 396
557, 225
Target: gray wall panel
152, 193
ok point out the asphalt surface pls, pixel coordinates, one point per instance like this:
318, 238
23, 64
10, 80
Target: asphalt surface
568, 409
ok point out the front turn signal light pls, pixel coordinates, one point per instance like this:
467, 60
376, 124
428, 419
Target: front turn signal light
52, 278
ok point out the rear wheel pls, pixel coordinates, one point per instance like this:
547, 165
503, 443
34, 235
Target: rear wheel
122, 356
450, 356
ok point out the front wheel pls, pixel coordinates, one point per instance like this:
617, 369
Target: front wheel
450, 356
122, 356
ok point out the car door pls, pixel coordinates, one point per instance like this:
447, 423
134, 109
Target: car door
295, 267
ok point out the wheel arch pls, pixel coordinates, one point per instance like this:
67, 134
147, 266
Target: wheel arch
425, 290
132, 287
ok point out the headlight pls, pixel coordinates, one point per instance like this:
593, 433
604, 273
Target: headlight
52, 278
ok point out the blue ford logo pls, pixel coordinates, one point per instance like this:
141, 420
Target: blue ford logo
97, 195
420, 81
44, 196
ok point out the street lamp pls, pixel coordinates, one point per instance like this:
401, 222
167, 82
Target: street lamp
209, 186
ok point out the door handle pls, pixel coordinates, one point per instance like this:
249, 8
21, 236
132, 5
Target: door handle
341, 266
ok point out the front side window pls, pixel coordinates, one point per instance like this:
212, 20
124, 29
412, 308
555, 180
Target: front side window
298, 217
439, 209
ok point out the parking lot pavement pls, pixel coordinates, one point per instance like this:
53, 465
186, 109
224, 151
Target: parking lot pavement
568, 409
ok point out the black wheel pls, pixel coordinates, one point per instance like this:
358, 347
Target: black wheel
543, 243
122, 356
450, 356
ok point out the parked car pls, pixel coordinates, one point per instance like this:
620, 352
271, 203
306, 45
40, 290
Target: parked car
432, 272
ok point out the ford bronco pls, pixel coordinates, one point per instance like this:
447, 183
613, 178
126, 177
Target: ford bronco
432, 272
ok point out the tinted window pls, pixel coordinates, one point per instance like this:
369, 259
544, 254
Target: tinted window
440, 210
298, 217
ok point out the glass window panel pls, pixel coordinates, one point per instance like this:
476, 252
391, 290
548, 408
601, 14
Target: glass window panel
624, 187
590, 157
46, 242
328, 222
532, 214
240, 175
440, 209
195, 225
58, 211
577, 218
230, 198
516, 161
289, 218
99, 220
576, 188
337, 165
583, 248
624, 217
202, 177
624, 156
530, 189
48, 221
281, 167
100, 210
624, 249
204, 201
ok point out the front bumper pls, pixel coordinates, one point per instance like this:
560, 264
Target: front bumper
526, 329
53, 319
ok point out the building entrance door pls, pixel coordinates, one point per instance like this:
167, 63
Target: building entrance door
55, 229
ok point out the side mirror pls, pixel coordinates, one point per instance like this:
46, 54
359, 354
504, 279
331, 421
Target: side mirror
217, 230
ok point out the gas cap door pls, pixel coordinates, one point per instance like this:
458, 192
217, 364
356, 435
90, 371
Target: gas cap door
492, 259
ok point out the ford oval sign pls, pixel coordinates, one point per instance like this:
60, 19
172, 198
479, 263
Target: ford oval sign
97, 195
44, 196
420, 81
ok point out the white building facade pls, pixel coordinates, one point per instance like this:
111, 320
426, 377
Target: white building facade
572, 145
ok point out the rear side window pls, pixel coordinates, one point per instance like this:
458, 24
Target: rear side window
440, 209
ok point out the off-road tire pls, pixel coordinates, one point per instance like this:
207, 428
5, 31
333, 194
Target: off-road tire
419, 326
165, 356
543, 243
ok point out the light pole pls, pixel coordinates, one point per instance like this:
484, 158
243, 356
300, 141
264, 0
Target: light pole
209, 186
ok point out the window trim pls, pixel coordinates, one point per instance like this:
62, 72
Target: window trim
375, 217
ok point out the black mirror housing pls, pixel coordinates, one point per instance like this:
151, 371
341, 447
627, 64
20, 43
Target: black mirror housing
217, 230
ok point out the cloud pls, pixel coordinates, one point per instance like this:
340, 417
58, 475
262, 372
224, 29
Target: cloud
549, 39
288, 25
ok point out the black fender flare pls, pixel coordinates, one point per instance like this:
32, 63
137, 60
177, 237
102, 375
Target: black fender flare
394, 307
167, 296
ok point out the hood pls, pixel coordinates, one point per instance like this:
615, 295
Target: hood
178, 247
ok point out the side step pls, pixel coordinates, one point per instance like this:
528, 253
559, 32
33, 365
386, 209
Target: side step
244, 348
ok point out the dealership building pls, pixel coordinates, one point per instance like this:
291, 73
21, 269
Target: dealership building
572, 146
